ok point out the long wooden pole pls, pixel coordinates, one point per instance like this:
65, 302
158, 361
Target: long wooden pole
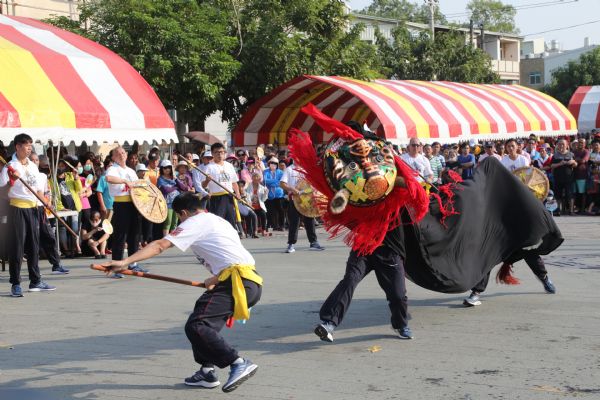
217, 183
151, 276
59, 219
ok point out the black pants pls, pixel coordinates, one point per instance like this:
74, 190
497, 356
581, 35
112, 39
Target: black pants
294, 224
126, 228
262, 218
210, 314
275, 214
48, 239
24, 238
389, 270
563, 191
251, 221
224, 208
535, 263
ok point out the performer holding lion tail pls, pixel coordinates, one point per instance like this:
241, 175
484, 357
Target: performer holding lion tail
233, 287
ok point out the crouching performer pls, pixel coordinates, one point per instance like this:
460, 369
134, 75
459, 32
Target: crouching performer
233, 287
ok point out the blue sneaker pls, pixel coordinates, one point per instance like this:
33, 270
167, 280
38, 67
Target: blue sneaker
548, 285
59, 269
239, 373
325, 331
207, 380
41, 287
117, 275
405, 333
316, 246
15, 291
137, 268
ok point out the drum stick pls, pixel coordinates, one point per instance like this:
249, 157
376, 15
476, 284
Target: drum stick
59, 219
217, 183
151, 276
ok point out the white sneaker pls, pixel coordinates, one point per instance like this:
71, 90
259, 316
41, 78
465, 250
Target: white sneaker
290, 248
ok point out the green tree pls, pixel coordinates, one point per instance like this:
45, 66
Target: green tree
495, 15
182, 48
403, 10
448, 58
583, 72
280, 40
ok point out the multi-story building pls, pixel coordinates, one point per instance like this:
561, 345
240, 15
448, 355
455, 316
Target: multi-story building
540, 59
503, 48
40, 9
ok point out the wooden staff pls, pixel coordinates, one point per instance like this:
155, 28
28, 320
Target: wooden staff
150, 276
190, 164
43, 201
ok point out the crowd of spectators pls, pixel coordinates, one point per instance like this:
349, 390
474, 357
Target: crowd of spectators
572, 165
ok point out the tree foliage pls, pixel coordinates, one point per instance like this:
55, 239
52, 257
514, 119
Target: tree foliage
583, 72
448, 58
182, 48
207, 55
494, 15
281, 40
403, 10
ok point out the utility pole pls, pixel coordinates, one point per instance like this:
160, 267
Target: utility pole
482, 36
432, 5
471, 32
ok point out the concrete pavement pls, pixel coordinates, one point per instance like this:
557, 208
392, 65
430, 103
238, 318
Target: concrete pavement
101, 338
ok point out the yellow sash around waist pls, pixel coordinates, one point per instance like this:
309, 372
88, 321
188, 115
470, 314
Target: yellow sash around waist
123, 199
21, 203
237, 272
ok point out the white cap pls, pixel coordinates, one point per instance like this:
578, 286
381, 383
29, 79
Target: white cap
207, 153
140, 167
165, 163
184, 163
195, 156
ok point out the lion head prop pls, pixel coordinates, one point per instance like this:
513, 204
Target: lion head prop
356, 175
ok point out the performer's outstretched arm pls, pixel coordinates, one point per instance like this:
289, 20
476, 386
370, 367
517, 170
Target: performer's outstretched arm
152, 250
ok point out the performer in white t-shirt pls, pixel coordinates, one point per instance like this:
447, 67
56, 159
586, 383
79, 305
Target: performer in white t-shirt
126, 219
233, 287
513, 160
23, 218
288, 182
222, 202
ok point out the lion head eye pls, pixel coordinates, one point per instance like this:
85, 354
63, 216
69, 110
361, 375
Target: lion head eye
353, 166
379, 158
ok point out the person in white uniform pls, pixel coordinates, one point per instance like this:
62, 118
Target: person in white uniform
288, 182
233, 287
126, 220
23, 218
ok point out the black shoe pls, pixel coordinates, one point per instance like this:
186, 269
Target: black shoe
41, 287
325, 331
59, 269
208, 380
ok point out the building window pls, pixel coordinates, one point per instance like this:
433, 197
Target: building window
535, 78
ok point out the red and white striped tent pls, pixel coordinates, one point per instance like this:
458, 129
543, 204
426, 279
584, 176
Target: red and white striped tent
55, 85
585, 106
447, 112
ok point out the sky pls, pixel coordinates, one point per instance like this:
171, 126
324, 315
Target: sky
550, 15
